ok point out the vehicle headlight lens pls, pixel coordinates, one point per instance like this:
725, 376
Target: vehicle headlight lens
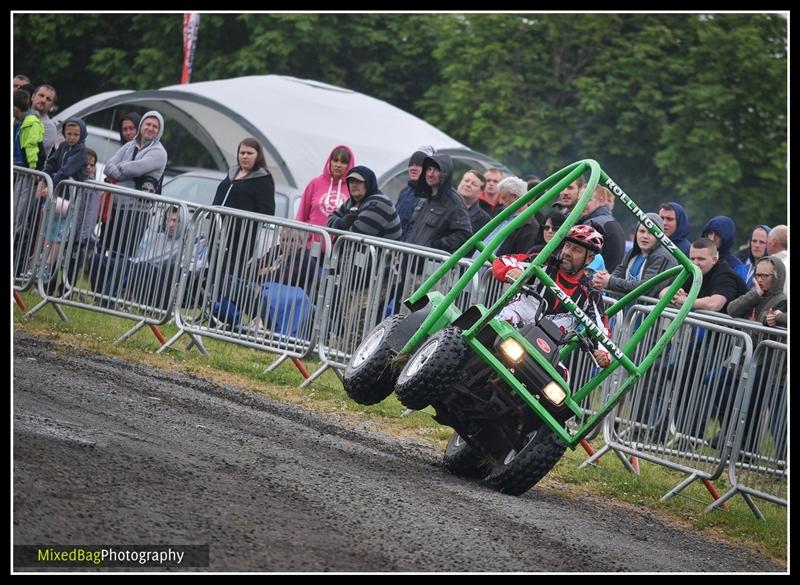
554, 393
512, 349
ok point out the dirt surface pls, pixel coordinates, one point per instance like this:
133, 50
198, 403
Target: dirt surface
107, 451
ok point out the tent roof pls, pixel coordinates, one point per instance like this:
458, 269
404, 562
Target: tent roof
299, 122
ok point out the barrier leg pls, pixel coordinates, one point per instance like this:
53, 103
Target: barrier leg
157, 332
130, 332
41, 304
299, 365
170, 341
276, 364
720, 503
595, 458
587, 446
629, 465
20, 302
712, 489
197, 342
315, 375
678, 488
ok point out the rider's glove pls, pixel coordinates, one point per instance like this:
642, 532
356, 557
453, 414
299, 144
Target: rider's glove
503, 264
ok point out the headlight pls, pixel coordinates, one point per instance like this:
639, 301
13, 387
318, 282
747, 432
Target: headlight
512, 349
554, 393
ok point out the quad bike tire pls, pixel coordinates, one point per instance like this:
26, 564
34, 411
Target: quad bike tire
462, 459
368, 377
519, 471
427, 375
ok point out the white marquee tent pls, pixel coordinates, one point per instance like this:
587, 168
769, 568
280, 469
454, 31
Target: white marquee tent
299, 122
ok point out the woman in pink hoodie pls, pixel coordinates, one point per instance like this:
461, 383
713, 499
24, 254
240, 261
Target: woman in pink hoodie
326, 193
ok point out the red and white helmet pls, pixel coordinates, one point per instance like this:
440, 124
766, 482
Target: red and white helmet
586, 236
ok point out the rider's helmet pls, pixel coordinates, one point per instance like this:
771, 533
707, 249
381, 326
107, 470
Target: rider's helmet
586, 236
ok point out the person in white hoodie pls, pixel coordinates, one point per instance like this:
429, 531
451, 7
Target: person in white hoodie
138, 164
144, 156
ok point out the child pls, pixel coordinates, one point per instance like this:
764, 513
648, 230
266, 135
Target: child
69, 161
91, 165
86, 216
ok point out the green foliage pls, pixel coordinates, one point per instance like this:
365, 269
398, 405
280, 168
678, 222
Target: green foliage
690, 107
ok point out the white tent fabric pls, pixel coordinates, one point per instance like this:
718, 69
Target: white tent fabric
299, 121
305, 120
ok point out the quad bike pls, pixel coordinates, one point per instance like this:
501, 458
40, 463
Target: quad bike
504, 390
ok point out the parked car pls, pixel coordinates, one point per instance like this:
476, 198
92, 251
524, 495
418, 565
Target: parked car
198, 187
195, 187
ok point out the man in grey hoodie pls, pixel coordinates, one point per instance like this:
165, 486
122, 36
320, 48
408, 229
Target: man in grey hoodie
144, 156
138, 164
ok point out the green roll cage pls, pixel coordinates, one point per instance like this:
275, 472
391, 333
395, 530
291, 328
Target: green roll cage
541, 196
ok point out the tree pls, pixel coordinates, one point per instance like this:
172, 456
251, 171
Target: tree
687, 107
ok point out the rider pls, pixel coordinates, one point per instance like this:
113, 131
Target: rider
581, 245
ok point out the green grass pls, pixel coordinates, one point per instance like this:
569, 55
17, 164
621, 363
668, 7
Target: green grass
228, 363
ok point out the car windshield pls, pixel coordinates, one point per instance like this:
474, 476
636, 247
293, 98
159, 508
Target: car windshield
192, 189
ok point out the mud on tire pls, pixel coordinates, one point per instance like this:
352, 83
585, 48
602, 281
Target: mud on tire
462, 459
432, 368
520, 471
368, 377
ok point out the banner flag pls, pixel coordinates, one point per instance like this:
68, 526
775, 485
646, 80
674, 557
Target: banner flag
191, 22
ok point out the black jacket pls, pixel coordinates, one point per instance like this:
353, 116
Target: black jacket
254, 193
442, 221
374, 215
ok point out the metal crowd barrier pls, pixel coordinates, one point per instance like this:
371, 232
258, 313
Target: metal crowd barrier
367, 281
28, 213
682, 413
757, 331
125, 265
251, 280
758, 463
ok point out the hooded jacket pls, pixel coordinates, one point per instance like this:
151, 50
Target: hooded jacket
374, 215
656, 261
322, 196
68, 162
753, 306
746, 256
725, 228
138, 158
406, 202
680, 236
255, 192
440, 221
133, 117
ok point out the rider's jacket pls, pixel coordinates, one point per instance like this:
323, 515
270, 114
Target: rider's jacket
577, 287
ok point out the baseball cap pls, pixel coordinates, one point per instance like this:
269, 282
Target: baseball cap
357, 176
